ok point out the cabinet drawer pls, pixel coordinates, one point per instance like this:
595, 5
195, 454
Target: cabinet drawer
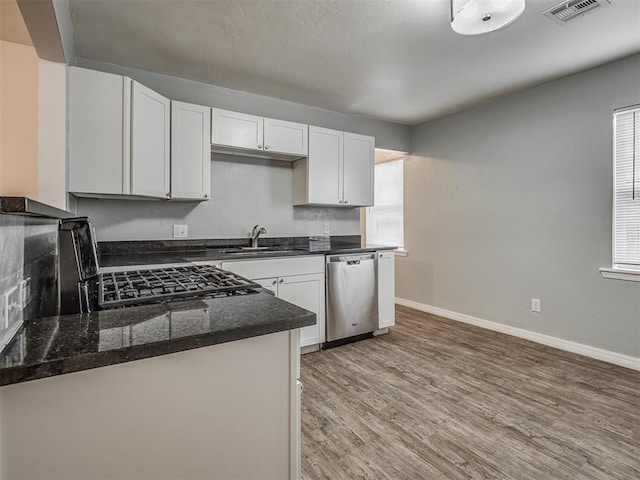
276, 267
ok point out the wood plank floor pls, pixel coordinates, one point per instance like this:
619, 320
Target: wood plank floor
438, 399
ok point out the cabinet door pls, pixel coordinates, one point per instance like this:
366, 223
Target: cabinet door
233, 129
150, 156
324, 167
268, 283
190, 151
306, 291
99, 112
359, 152
386, 289
286, 137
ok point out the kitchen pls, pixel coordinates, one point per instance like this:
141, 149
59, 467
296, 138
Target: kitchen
458, 239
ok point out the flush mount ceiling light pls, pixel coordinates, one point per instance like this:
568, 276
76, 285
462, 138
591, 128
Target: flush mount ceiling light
474, 17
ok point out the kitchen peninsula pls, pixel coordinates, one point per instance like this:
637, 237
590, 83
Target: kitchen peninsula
214, 383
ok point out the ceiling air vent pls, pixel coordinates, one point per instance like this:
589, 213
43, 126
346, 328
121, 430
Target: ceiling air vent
567, 11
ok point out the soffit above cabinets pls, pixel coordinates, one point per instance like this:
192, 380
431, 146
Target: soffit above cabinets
12, 26
388, 59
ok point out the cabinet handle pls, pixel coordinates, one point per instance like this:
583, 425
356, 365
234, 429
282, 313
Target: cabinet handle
260, 145
282, 280
273, 283
266, 147
206, 195
168, 194
346, 201
340, 201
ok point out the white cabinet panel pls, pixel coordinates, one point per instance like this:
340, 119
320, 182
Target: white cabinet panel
150, 156
190, 151
235, 129
286, 137
306, 291
99, 109
386, 289
324, 166
359, 152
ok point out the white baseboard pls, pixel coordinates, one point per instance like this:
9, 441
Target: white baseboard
567, 345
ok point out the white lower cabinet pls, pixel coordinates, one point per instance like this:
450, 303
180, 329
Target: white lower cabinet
306, 291
299, 281
386, 289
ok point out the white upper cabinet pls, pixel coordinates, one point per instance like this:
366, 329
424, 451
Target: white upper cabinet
285, 137
99, 106
337, 172
359, 154
318, 179
190, 151
150, 155
233, 129
120, 141
257, 136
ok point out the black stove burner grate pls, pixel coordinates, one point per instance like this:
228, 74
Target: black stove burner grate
157, 285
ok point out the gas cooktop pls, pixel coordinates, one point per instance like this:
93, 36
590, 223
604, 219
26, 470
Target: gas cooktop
138, 287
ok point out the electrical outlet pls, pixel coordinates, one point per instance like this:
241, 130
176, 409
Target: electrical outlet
326, 229
25, 292
12, 307
180, 231
535, 305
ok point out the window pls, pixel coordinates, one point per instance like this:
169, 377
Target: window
626, 189
385, 220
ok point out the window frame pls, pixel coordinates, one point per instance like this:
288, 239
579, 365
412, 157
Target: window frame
401, 157
617, 271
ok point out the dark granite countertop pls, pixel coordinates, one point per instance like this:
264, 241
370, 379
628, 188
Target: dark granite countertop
51, 346
137, 254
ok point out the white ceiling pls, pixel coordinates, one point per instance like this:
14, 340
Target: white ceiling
396, 60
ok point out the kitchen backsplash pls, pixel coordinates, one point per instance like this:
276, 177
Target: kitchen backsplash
29, 250
244, 192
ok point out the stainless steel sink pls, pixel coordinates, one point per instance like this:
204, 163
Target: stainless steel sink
259, 252
256, 251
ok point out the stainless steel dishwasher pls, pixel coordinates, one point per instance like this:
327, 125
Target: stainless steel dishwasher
352, 297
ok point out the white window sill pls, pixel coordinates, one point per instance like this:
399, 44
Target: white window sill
401, 252
621, 274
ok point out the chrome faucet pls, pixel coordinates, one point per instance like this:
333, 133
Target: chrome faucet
255, 233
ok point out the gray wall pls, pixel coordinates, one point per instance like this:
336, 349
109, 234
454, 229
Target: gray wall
512, 200
244, 191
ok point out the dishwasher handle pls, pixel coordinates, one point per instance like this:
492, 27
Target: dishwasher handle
351, 259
